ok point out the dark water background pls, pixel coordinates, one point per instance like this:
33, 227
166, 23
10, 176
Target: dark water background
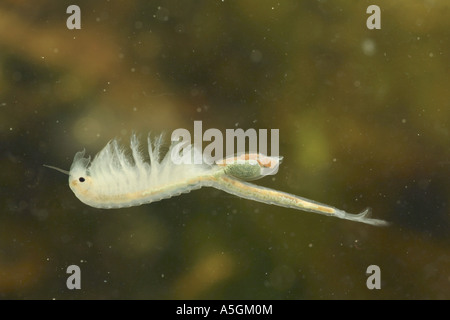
363, 117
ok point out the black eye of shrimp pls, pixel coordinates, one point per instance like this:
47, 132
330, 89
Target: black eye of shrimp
81, 179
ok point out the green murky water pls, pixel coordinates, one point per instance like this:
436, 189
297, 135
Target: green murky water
363, 117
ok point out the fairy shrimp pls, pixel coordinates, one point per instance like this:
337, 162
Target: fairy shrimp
115, 180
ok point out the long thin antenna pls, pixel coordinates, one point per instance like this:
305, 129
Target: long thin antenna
57, 169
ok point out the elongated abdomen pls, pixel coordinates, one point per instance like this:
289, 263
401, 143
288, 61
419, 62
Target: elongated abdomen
257, 193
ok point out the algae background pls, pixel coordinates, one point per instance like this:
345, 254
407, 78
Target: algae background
363, 117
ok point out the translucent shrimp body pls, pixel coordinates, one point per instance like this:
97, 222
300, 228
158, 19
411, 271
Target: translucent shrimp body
115, 180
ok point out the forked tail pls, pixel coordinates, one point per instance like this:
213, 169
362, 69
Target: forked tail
364, 217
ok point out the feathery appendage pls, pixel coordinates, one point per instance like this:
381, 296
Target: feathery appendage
116, 179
